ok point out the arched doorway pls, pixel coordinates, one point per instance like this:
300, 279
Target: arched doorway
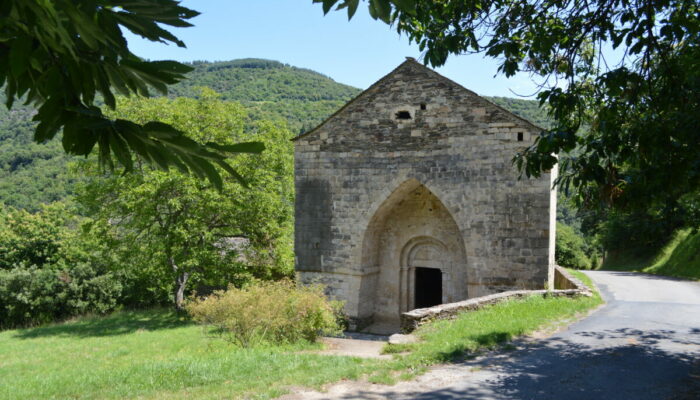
426, 267
415, 246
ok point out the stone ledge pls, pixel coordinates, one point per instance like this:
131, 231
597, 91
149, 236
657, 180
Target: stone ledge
413, 319
564, 280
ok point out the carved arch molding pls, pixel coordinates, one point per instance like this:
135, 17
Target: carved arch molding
412, 228
423, 252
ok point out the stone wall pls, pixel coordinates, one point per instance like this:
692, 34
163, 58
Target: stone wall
363, 165
569, 286
563, 280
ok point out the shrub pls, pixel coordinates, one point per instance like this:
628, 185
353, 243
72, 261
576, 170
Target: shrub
48, 270
268, 312
33, 295
32, 239
571, 249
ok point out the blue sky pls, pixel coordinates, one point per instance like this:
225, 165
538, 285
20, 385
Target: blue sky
296, 32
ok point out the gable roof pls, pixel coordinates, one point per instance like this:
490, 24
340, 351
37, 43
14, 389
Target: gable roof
412, 61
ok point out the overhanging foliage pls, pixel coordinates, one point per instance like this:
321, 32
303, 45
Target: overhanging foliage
641, 111
62, 55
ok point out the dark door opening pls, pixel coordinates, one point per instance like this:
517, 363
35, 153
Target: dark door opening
428, 287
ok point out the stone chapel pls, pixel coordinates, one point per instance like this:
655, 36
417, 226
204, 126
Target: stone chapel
407, 198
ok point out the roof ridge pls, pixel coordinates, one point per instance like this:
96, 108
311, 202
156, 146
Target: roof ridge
435, 73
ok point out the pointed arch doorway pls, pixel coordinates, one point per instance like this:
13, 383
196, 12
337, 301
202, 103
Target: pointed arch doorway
416, 250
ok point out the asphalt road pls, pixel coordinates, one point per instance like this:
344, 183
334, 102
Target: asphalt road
643, 344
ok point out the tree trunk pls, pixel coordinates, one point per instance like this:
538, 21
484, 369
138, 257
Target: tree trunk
180, 283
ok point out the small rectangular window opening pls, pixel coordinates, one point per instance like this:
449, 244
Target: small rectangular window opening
520, 136
423, 106
403, 115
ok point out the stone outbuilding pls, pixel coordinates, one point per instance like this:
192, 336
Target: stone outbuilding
407, 197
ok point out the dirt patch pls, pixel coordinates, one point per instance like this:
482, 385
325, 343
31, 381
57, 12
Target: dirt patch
355, 345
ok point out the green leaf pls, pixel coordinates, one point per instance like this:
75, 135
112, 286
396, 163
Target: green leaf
246, 147
326, 4
161, 127
211, 172
20, 52
407, 6
241, 180
382, 10
120, 148
352, 7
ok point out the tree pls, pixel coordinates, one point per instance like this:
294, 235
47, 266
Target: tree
640, 147
176, 229
571, 250
59, 55
33, 239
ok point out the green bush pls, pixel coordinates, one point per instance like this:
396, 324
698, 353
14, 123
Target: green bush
33, 295
268, 312
32, 238
571, 249
48, 270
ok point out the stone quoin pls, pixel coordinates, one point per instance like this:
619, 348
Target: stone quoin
407, 197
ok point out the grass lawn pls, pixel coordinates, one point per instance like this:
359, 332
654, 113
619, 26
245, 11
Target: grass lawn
156, 354
152, 354
680, 257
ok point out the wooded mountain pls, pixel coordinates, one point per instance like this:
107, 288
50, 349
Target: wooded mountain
270, 89
32, 174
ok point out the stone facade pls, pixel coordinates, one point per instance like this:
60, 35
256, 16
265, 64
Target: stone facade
409, 189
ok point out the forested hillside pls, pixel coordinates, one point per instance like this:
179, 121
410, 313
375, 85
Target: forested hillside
31, 174
270, 89
528, 109
254, 80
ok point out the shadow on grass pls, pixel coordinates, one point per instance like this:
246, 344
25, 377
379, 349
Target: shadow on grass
119, 323
563, 369
493, 338
485, 341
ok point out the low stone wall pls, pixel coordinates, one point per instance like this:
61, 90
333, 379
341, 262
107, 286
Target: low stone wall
564, 280
565, 285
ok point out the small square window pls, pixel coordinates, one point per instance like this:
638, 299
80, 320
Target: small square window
403, 115
423, 106
520, 136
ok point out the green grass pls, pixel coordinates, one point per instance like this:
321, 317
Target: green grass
158, 354
153, 354
680, 257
